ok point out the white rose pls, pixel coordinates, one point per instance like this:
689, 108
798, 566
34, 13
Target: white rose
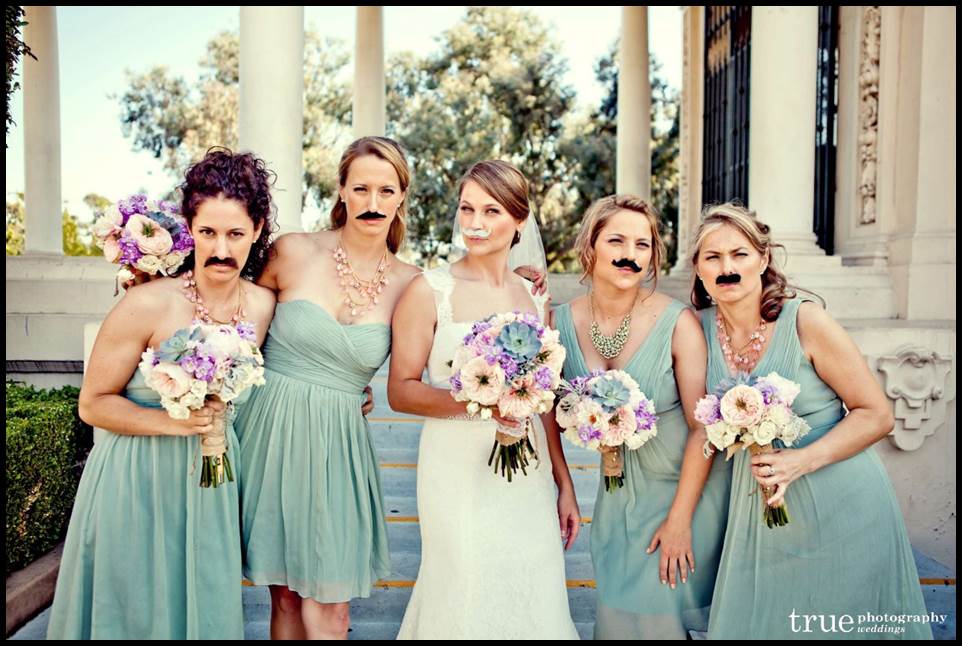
787, 390
173, 261
192, 401
551, 336
149, 264
718, 434
225, 341
765, 432
788, 434
146, 363
779, 416
198, 388
108, 223
556, 356
731, 435
176, 410
124, 274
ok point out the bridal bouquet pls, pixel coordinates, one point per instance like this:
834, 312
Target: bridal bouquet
752, 413
605, 411
205, 362
513, 363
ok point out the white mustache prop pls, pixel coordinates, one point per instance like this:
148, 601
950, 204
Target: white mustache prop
477, 233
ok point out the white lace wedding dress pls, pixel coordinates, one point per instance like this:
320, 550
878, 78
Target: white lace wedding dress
492, 563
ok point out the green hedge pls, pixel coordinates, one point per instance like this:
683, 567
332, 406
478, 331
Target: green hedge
46, 446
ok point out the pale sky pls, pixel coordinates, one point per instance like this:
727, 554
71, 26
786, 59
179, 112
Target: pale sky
97, 44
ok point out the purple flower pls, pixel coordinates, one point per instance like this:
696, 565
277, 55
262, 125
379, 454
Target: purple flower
579, 384
168, 207
129, 251
455, 382
509, 365
531, 320
478, 328
132, 205
189, 364
543, 378
182, 240
768, 391
206, 368
708, 410
646, 419
247, 331
587, 433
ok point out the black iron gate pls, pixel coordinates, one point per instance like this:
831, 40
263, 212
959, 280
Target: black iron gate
726, 117
826, 127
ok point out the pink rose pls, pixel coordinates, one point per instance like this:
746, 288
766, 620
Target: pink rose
742, 406
169, 380
111, 249
151, 238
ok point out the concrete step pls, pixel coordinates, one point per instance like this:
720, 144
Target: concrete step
387, 604
383, 631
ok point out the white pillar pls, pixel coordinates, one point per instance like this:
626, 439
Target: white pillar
781, 177
272, 100
369, 81
690, 117
634, 105
924, 265
43, 204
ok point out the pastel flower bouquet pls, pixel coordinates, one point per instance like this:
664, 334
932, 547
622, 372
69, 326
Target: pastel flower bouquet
200, 363
606, 411
510, 362
752, 413
142, 235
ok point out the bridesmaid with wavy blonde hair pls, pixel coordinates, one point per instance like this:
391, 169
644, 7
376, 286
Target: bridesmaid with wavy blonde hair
846, 550
648, 536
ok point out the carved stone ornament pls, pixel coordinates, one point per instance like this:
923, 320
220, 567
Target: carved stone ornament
916, 379
868, 91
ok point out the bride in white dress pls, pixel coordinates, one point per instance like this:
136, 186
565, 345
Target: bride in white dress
492, 552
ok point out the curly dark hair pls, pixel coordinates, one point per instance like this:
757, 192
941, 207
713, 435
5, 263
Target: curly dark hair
236, 176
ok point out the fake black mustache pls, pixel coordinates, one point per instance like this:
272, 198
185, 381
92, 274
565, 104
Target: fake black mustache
227, 262
626, 262
730, 279
371, 215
